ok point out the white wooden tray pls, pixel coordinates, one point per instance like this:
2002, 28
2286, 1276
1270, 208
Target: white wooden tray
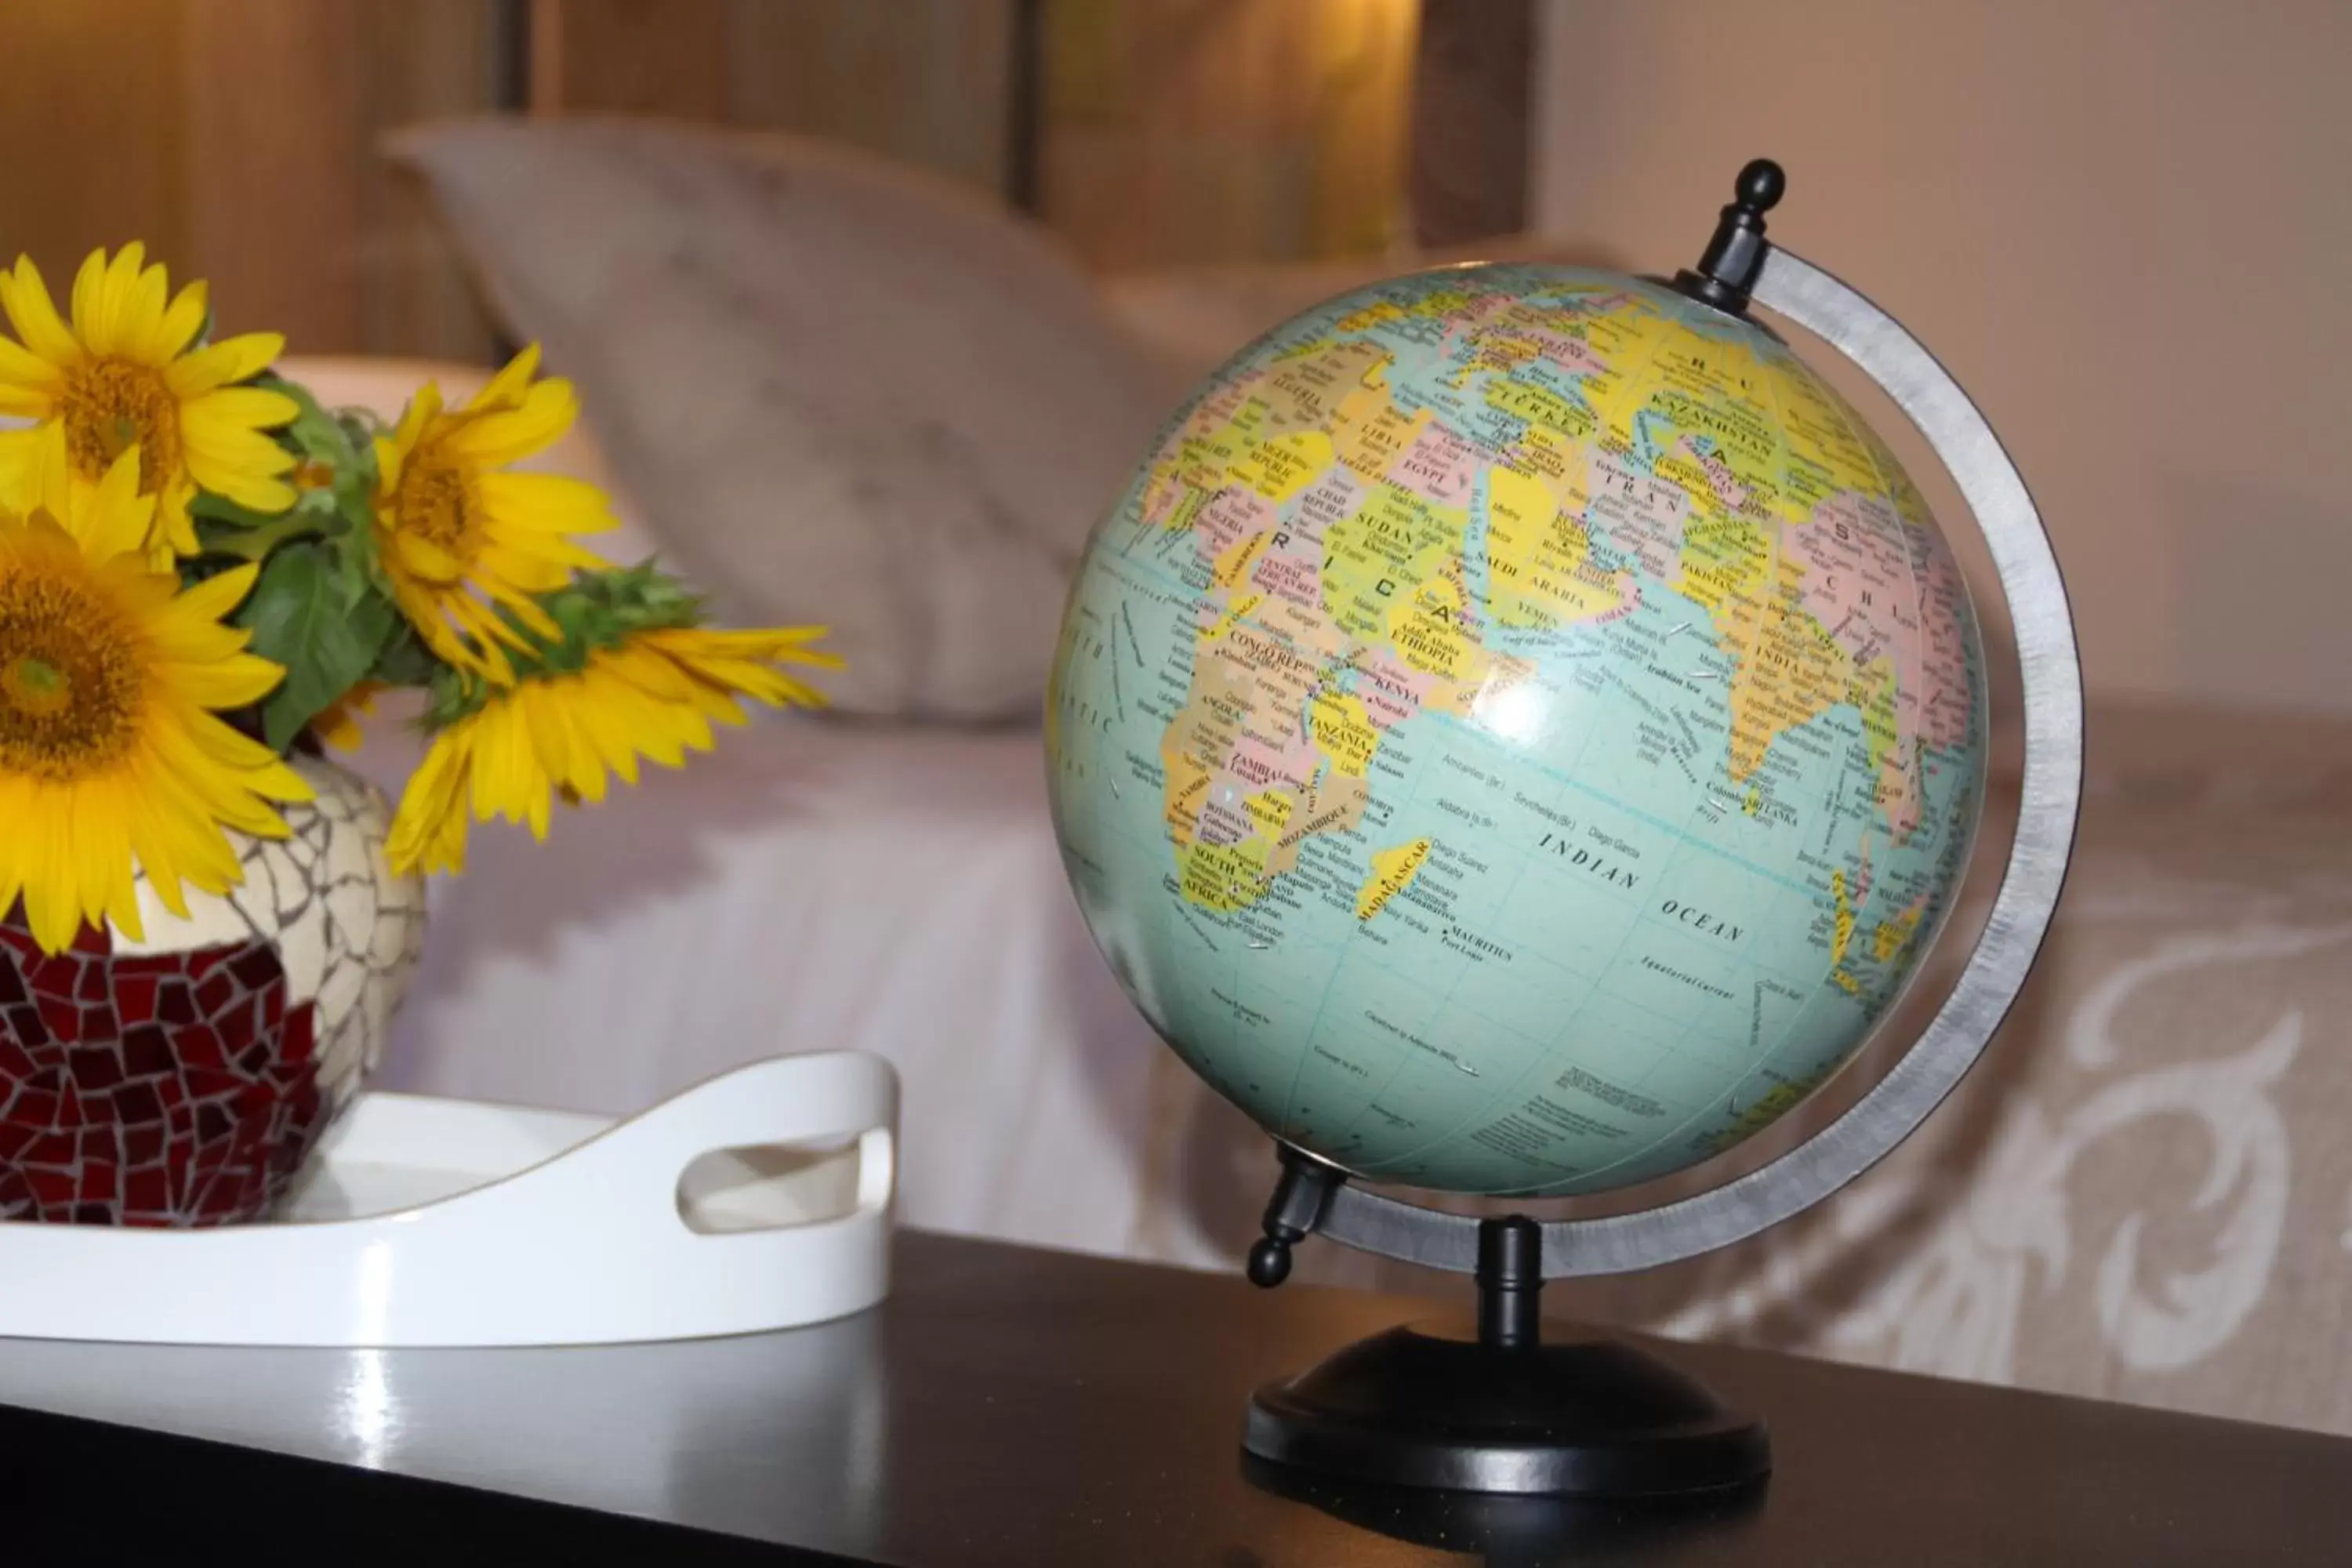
759, 1199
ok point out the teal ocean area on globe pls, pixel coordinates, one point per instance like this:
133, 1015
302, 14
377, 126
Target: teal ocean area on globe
1518, 732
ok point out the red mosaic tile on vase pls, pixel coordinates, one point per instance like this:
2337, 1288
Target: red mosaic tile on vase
184, 1079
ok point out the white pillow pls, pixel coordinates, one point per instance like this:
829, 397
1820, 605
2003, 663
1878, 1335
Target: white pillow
840, 391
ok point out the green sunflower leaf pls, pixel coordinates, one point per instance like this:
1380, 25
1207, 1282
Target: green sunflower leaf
594, 610
306, 614
315, 433
220, 508
404, 661
224, 528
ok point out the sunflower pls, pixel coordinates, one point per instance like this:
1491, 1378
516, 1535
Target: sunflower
654, 692
124, 375
460, 537
110, 754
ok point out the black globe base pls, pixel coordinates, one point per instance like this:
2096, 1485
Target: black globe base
1426, 1406
1490, 1407
1503, 1529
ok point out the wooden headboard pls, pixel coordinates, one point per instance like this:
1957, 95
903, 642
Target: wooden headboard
238, 137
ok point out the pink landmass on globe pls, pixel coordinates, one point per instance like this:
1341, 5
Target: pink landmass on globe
1290, 577
1439, 466
1232, 515
1641, 516
1391, 690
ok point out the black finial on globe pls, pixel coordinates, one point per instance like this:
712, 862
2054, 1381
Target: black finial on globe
1269, 1261
1728, 270
1761, 185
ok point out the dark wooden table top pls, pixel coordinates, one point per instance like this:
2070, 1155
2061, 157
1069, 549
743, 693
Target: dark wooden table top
1034, 1409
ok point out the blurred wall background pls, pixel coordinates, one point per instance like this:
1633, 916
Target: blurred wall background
238, 137
2125, 224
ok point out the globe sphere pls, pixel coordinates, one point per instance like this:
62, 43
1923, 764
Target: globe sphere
1518, 732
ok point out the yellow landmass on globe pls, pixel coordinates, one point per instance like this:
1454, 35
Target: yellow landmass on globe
1429, 633
1311, 392
1786, 671
1373, 557
1280, 468
1538, 558
1230, 568
1224, 876
1765, 1110
1894, 936
1393, 871
1368, 316
1334, 804
1541, 408
1343, 732
1725, 559
1823, 430
1371, 432
1874, 695
1842, 934
1271, 809
1559, 461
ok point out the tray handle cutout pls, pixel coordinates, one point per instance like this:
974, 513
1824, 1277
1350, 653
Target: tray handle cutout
774, 1186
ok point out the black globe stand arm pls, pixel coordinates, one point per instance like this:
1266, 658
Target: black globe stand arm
1302, 1197
1510, 1272
1510, 1283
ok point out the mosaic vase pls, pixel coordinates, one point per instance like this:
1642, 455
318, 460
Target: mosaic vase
181, 1080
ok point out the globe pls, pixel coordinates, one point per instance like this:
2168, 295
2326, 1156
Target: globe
1518, 732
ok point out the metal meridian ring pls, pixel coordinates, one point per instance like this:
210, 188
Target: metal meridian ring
2022, 911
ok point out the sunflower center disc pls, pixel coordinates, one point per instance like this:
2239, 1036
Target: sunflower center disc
435, 506
69, 680
111, 405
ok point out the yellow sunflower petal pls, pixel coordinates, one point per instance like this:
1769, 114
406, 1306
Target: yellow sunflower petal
216, 595
24, 299
545, 503
175, 526
109, 892
541, 568
226, 408
29, 384
52, 895
139, 316
429, 830
242, 465
35, 471
236, 359
546, 411
505, 388
87, 300
182, 321
16, 805
111, 517
424, 408
21, 470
